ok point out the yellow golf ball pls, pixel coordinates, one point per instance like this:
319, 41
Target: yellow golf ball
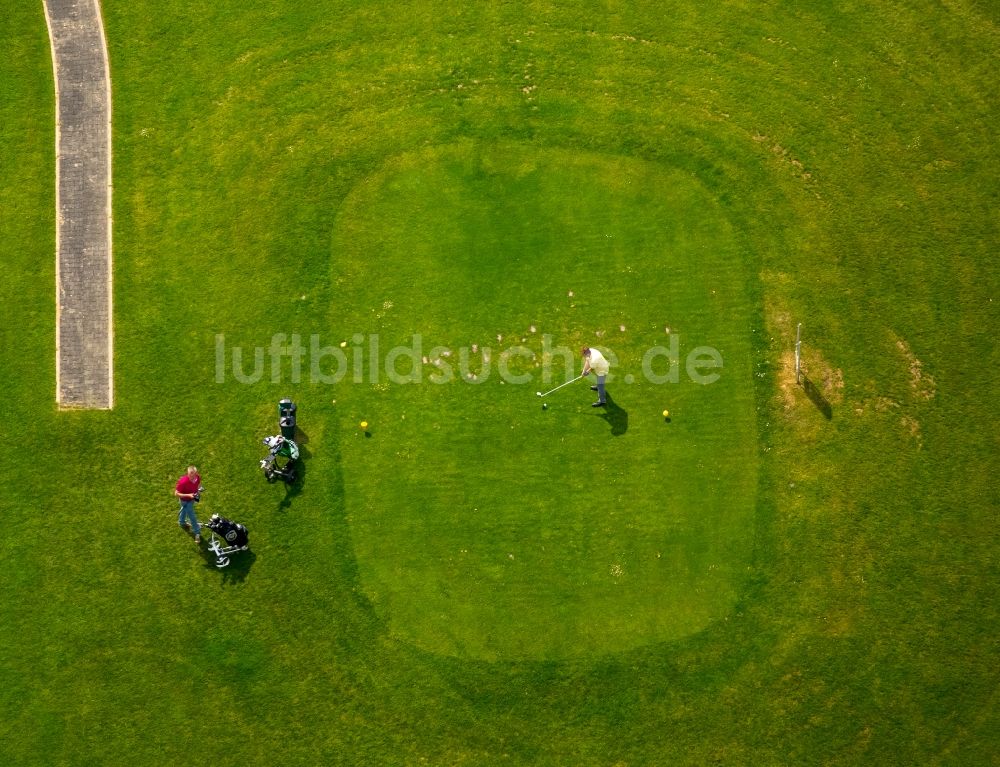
364, 424
666, 413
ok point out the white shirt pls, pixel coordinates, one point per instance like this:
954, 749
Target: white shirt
597, 362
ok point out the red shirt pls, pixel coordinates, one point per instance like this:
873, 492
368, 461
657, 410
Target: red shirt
186, 485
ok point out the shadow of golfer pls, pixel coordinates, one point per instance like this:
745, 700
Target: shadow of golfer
615, 416
817, 398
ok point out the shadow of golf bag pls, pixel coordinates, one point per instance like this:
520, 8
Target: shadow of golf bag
234, 537
281, 459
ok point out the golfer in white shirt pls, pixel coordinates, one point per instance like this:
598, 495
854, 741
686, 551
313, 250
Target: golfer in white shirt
594, 360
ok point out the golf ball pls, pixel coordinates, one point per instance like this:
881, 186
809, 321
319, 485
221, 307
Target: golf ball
545, 406
666, 413
364, 424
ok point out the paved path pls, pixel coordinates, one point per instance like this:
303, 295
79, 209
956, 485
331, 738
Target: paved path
84, 332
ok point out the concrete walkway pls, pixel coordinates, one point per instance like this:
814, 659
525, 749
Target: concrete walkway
84, 331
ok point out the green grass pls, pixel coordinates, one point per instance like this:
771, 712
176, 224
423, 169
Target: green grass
530, 534
826, 587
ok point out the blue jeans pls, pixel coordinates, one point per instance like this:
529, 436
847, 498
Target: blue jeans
601, 397
187, 511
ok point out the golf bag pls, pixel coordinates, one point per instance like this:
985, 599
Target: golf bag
234, 537
286, 418
281, 459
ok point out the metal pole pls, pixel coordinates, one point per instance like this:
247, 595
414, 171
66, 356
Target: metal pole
798, 354
558, 387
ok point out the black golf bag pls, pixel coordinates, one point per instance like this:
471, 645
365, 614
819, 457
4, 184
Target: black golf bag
286, 418
234, 538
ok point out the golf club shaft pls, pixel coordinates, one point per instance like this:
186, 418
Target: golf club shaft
546, 394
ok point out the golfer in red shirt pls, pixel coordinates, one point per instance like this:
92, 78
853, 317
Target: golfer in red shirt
186, 491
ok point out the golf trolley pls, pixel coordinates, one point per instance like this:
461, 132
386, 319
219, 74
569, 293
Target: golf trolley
234, 538
281, 458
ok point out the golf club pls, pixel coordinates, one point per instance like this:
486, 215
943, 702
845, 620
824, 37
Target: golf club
538, 393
